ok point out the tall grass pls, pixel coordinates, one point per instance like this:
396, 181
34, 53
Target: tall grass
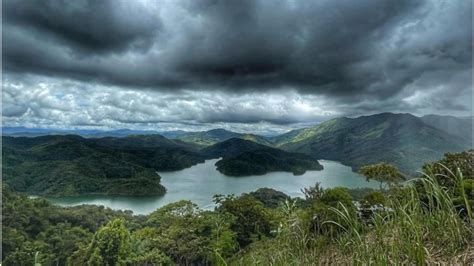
419, 226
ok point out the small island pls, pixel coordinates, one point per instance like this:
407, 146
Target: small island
267, 160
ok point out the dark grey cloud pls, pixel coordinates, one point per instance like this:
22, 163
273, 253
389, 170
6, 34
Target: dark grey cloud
87, 25
315, 46
211, 61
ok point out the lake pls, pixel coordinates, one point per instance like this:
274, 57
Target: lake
200, 182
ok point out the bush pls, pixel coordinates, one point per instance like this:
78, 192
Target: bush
373, 198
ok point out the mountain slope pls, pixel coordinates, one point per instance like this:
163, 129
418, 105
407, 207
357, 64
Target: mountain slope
456, 126
401, 139
72, 165
231, 148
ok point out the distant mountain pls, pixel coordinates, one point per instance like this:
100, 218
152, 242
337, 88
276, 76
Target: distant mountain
206, 138
402, 139
173, 134
201, 138
243, 158
36, 132
210, 137
73, 165
145, 141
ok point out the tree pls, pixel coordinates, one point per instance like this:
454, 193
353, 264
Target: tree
445, 169
110, 245
383, 173
183, 232
335, 196
64, 240
252, 219
269, 197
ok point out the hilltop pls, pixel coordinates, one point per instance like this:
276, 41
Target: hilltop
243, 158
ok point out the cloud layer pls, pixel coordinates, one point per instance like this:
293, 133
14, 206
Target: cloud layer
211, 61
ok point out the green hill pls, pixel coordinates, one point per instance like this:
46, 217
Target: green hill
402, 139
231, 148
72, 165
243, 158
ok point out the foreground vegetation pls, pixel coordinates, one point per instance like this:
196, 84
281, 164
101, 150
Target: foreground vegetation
424, 222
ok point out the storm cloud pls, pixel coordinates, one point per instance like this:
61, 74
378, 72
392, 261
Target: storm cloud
233, 59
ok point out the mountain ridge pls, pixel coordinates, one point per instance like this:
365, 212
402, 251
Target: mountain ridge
402, 139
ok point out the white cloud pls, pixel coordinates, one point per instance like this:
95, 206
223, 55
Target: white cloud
45, 102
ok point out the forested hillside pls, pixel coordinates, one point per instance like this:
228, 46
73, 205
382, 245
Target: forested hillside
72, 165
400, 139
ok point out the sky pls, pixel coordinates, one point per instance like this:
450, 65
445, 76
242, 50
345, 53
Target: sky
248, 65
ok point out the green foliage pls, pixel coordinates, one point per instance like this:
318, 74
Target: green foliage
243, 157
269, 197
260, 162
359, 193
374, 198
408, 234
191, 236
313, 193
35, 225
252, 219
334, 198
383, 173
442, 169
448, 171
30, 253
71, 165
110, 245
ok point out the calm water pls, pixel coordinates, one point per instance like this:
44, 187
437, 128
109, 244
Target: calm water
199, 183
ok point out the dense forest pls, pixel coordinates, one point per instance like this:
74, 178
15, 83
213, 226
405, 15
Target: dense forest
73, 165
425, 221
